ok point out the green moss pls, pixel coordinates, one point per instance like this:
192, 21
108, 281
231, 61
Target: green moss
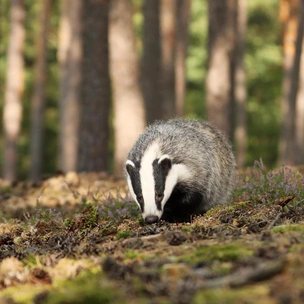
288, 228
123, 234
132, 255
222, 253
86, 288
187, 229
21, 294
252, 294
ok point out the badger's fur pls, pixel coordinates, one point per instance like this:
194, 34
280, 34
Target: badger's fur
178, 168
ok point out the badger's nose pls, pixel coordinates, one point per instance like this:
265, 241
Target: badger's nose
151, 219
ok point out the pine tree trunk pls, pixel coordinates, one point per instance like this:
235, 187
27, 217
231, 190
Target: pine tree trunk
240, 91
300, 102
168, 40
38, 101
95, 99
12, 111
129, 114
182, 36
70, 58
151, 61
292, 44
218, 80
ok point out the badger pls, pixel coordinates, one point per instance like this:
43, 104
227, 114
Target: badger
179, 168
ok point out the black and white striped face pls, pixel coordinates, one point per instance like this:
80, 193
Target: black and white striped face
152, 180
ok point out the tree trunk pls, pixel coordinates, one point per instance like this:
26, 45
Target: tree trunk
182, 36
168, 36
129, 115
218, 80
292, 44
38, 101
300, 115
12, 112
151, 61
300, 98
70, 58
240, 91
95, 99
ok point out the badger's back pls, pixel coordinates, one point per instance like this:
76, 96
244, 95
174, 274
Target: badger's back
203, 150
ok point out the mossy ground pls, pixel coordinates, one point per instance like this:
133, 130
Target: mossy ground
80, 239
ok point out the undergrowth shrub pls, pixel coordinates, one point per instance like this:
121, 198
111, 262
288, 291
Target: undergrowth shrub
262, 185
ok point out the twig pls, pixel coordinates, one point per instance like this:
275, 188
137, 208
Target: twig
38, 198
262, 272
75, 193
300, 202
274, 221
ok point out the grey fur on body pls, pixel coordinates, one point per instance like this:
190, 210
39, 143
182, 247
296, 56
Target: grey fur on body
207, 155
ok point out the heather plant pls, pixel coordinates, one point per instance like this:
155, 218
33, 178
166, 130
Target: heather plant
118, 207
265, 186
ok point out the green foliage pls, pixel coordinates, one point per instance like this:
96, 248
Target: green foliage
263, 63
196, 60
222, 253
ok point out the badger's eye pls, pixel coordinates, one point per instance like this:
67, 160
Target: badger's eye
159, 196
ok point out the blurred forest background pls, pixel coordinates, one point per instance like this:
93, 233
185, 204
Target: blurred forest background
80, 79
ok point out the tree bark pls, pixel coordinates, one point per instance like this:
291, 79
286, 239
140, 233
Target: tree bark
300, 100
12, 112
292, 44
218, 79
151, 61
70, 60
129, 114
168, 40
300, 115
95, 100
182, 37
240, 91
38, 101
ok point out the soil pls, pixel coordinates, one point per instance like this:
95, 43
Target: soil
79, 238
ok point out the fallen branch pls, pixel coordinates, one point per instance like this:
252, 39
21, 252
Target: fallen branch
262, 272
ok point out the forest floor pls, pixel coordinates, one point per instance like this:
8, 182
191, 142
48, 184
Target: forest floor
79, 238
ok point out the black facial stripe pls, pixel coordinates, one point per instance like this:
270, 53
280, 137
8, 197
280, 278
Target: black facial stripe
136, 184
160, 174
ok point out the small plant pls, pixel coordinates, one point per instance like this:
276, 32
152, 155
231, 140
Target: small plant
117, 208
123, 234
265, 186
68, 222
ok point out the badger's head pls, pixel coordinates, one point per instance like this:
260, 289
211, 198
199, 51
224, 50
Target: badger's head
152, 180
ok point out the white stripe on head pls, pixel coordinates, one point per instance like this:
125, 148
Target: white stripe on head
147, 179
163, 157
129, 162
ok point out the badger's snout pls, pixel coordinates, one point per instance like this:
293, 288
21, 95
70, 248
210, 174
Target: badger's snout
150, 219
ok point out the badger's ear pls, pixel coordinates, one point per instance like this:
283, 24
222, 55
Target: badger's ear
165, 163
130, 166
